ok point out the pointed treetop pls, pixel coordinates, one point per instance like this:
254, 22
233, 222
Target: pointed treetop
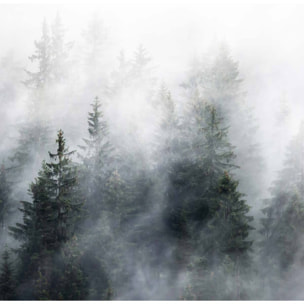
61, 149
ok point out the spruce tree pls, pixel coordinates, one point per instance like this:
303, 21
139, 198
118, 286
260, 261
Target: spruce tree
51, 54
282, 224
95, 37
7, 281
49, 221
59, 51
42, 55
217, 80
4, 196
98, 159
205, 210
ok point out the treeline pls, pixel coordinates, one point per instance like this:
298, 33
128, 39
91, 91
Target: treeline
154, 202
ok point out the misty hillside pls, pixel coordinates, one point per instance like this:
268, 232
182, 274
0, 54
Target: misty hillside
151, 152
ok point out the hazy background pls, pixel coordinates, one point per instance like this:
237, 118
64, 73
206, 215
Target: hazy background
265, 39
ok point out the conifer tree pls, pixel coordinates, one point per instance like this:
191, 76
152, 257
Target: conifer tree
194, 179
95, 37
205, 209
97, 159
140, 63
4, 196
167, 137
34, 137
49, 221
42, 55
218, 81
50, 54
121, 76
282, 225
7, 281
59, 50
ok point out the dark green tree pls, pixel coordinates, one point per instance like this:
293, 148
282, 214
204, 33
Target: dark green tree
4, 196
218, 81
7, 280
49, 221
205, 210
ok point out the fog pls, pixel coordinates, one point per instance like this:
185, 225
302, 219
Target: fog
265, 39
154, 67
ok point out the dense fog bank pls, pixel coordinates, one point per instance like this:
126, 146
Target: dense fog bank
151, 152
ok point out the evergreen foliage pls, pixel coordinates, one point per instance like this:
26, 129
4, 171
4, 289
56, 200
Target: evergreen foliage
7, 280
49, 221
4, 196
282, 224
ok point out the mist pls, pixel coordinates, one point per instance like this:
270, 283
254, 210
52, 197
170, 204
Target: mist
151, 151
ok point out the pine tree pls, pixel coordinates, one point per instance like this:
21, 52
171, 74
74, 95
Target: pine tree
218, 81
51, 55
4, 196
282, 224
205, 210
121, 76
49, 221
97, 159
166, 151
140, 62
233, 220
34, 137
71, 281
95, 37
42, 55
59, 51
7, 281
195, 178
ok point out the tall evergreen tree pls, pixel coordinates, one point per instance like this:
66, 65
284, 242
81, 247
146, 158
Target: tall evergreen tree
49, 221
218, 81
97, 159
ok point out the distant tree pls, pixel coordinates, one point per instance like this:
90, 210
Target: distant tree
135, 74
42, 55
51, 56
140, 62
34, 137
282, 225
121, 76
98, 158
59, 51
218, 81
95, 37
169, 129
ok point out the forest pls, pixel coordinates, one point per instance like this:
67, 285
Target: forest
115, 185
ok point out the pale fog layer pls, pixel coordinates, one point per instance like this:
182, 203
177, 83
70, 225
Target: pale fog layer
267, 41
